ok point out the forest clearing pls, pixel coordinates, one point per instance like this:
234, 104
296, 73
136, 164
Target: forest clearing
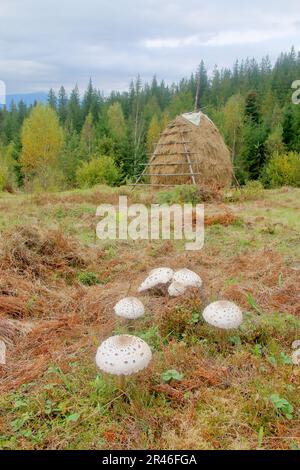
58, 288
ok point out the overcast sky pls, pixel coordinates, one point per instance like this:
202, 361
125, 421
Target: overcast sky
46, 43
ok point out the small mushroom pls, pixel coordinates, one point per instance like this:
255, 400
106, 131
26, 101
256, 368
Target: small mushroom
176, 289
187, 278
223, 314
157, 278
130, 308
123, 355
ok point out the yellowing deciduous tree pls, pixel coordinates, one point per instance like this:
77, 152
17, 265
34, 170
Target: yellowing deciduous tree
233, 121
42, 140
153, 134
116, 121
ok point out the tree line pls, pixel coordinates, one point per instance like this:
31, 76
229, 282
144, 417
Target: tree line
80, 140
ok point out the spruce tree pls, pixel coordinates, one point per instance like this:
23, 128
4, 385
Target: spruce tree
52, 99
74, 111
62, 105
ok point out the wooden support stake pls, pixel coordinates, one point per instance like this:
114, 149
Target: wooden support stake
189, 162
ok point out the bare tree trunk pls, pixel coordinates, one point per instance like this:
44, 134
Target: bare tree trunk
197, 97
233, 145
136, 133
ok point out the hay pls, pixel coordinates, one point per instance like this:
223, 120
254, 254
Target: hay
30, 250
206, 147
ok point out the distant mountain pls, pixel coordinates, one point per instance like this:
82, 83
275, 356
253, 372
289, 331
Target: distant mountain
28, 98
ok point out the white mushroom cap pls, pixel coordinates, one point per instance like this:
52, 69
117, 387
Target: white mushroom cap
156, 277
188, 278
223, 314
130, 308
123, 355
176, 289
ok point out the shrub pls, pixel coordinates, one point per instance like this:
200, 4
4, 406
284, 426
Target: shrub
99, 170
179, 195
4, 177
7, 177
251, 191
88, 278
282, 170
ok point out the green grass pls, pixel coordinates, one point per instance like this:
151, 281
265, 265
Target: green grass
80, 408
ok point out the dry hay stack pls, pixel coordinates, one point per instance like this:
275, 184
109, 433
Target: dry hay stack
11, 329
195, 134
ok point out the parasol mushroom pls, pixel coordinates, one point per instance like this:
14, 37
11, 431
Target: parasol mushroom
223, 314
123, 355
158, 278
182, 280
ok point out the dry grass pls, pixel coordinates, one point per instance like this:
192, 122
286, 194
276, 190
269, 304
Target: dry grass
49, 318
30, 250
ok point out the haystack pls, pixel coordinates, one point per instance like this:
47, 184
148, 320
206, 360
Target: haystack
191, 151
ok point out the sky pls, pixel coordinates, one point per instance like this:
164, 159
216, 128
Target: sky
47, 43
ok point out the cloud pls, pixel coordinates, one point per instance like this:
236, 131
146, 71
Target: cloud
224, 38
172, 43
114, 41
24, 67
229, 38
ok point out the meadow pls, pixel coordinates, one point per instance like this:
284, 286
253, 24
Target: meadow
58, 287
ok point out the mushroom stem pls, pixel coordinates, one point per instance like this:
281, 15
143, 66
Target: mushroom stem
129, 325
223, 334
121, 382
203, 296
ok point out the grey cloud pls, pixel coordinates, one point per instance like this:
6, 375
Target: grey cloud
44, 44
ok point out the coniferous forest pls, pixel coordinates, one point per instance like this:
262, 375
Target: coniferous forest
79, 141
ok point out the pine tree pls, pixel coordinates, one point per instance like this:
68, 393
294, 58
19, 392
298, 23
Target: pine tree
254, 149
288, 128
70, 158
22, 112
91, 102
252, 107
52, 99
74, 111
62, 105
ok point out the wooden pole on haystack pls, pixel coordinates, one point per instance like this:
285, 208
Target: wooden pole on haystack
197, 97
187, 156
